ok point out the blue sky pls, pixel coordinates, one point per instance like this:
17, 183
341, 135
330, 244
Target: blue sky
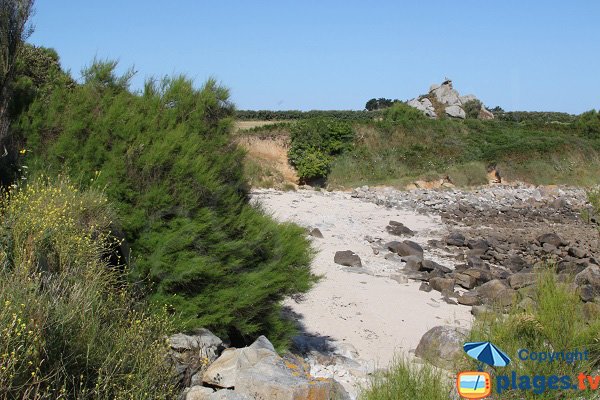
535, 55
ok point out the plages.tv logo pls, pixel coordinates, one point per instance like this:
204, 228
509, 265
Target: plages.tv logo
477, 384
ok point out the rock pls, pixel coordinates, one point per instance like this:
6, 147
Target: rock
224, 370
445, 94
425, 287
428, 265
198, 393
480, 245
442, 284
393, 257
476, 262
442, 345
521, 279
316, 233
496, 292
192, 353
226, 394
464, 280
515, 263
455, 112
448, 300
413, 263
469, 299
481, 275
577, 252
589, 276
591, 311
587, 293
398, 229
347, 258
551, 238
406, 248
549, 248
265, 381
455, 239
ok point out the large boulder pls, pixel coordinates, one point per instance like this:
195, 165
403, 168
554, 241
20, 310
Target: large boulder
497, 292
551, 238
259, 372
347, 258
224, 370
442, 345
455, 111
446, 94
521, 279
442, 284
589, 276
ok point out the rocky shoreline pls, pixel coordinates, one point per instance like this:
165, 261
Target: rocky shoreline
471, 250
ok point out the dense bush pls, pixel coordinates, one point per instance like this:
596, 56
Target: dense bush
589, 124
167, 161
400, 153
401, 112
314, 143
268, 115
533, 116
69, 327
472, 108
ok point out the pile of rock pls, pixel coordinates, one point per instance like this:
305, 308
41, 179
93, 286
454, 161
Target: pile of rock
501, 273
449, 99
512, 199
210, 371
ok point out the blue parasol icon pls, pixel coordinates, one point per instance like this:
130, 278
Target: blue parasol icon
486, 352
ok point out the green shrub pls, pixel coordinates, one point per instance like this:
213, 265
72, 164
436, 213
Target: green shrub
401, 112
314, 142
408, 381
472, 108
166, 159
589, 124
69, 326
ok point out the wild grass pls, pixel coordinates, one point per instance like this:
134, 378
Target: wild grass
398, 152
69, 325
408, 381
555, 324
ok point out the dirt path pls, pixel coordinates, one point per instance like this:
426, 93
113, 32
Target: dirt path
378, 315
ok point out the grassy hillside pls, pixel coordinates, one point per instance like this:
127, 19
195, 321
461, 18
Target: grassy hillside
165, 158
404, 147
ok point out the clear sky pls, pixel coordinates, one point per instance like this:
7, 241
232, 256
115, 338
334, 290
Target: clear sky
306, 54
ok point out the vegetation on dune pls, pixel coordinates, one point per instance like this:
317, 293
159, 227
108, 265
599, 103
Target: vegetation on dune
315, 142
406, 380
556, 323
166, 159
69, 325
405, 146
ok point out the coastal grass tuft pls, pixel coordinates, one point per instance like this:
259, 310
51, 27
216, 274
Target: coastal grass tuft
70, 327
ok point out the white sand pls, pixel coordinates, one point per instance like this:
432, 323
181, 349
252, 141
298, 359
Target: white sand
376, 314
